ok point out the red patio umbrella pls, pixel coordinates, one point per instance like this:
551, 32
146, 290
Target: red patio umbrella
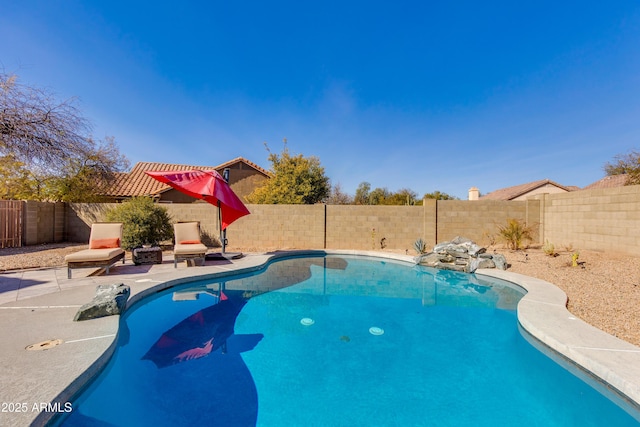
209, 186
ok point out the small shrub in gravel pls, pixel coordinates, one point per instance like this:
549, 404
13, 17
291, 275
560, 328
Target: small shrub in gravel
549, 249
514, 233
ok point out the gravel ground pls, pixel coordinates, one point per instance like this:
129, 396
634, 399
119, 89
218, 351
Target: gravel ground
36, 256
603, 291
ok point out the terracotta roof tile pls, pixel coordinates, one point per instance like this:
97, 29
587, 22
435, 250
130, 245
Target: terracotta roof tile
611, 181
137, 183
510, 193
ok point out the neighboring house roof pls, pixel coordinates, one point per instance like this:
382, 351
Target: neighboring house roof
611, 181
138, 183
511, 193
245, 161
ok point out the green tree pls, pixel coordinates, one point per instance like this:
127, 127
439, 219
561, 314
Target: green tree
296, 180
628, 163
382, 196
378, 196
439, 196
15, 180
403, 196
143, 222
362, 194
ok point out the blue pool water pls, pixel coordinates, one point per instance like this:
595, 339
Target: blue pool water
336, 341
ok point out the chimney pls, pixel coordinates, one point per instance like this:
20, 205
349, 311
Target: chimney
474, 193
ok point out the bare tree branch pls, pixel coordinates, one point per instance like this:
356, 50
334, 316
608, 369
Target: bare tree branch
35, 127
627, 163
52, 141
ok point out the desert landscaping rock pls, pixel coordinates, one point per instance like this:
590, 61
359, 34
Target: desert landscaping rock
461, 254
108, 301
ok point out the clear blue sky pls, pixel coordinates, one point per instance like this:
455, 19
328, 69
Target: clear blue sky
423, 95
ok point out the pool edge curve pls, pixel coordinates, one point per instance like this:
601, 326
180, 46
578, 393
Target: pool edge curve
542, 313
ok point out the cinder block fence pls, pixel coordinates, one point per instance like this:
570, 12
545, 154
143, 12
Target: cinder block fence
602, 220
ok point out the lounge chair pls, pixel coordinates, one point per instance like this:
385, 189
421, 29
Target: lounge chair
104, 248
188, 244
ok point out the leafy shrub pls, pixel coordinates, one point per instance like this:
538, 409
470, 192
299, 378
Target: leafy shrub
144, 222
514, 233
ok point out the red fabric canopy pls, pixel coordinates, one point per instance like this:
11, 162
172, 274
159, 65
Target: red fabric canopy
209, 186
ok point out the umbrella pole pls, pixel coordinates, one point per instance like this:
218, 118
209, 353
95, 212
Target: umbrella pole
223, 233
225, 176
224, 240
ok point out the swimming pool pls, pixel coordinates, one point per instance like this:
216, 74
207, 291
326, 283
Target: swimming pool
336, 341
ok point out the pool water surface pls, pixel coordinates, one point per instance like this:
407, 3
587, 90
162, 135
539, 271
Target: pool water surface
336, 341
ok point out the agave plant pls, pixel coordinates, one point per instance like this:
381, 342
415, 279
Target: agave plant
420, 246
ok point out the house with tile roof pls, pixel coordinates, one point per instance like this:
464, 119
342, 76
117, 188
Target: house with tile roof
522, 191
611, 181
244, 177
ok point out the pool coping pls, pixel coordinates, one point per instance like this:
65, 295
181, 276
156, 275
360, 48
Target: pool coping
608, 363
54, 376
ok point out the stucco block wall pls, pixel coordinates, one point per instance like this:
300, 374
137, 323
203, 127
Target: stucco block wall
430, 222
335, 226
479, 220
79, 218
602, 220
205, 213
364, 227
43, 222
279, 227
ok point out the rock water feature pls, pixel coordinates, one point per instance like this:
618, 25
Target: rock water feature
461, 254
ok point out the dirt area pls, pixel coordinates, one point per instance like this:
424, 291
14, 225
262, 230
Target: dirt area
604, 290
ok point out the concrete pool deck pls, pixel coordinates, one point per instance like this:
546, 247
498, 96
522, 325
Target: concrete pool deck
38, 306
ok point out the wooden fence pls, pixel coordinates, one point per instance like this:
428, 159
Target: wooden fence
11, 214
